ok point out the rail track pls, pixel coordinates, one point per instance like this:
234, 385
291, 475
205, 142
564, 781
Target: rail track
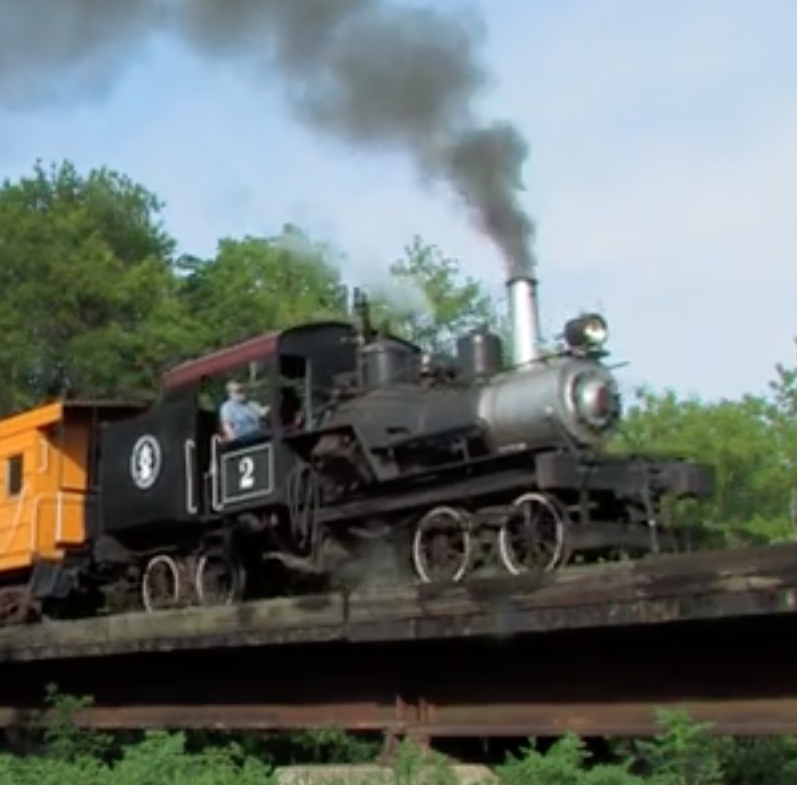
596, 651
669, 589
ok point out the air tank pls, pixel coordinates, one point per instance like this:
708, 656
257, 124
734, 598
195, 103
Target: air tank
480, 354
389, 362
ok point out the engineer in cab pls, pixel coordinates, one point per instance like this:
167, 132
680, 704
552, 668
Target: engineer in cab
239, 417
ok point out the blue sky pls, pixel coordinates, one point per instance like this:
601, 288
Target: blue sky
663, 175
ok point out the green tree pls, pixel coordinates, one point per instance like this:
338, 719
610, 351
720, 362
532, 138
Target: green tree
256, 285
88, 300
565, 763
748, 442
784, 390
682, 753
762, 761
431, 302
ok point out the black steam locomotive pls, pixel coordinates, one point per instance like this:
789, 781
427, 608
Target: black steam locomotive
374, 454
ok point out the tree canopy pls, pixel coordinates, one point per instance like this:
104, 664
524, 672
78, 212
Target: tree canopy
89, 302
97, 303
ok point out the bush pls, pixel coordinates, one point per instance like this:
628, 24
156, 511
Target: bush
684, 753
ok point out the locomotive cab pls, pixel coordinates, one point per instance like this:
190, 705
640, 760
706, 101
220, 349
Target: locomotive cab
290, 376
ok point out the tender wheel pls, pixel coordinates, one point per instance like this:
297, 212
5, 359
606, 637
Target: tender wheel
16, 607
161, 584
533, 538
218, 580
441, 547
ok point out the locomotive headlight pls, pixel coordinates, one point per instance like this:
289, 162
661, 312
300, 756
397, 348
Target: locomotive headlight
596, 400
586, 332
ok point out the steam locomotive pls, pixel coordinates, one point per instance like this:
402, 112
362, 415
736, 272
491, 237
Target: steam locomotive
373, 458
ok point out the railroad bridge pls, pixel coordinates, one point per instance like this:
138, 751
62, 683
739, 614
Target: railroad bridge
597, 650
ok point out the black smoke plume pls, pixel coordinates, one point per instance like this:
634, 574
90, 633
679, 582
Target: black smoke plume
371, 73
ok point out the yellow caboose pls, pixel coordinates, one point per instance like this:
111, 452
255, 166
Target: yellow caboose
48, 495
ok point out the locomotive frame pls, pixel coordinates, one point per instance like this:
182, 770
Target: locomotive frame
373, 460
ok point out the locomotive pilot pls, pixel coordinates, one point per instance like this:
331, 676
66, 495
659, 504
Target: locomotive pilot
239, 417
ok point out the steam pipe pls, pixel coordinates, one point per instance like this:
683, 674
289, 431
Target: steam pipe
524, 318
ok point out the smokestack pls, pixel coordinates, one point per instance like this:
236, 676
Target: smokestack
524, 315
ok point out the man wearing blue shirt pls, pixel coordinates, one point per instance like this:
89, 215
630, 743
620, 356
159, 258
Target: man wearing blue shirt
240, 418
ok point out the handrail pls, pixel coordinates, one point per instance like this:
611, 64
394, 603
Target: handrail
36, 502
17, 518
215, 502
34, 520
189, 450
59, 497
44, 455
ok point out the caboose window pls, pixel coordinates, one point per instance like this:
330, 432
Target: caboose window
14, 469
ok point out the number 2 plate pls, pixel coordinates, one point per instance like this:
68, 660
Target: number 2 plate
247, 474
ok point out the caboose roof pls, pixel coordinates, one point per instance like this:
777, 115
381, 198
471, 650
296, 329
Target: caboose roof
54, 412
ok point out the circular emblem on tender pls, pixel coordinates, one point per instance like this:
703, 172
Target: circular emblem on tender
145, 462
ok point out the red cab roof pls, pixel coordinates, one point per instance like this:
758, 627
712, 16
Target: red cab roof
221, 361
